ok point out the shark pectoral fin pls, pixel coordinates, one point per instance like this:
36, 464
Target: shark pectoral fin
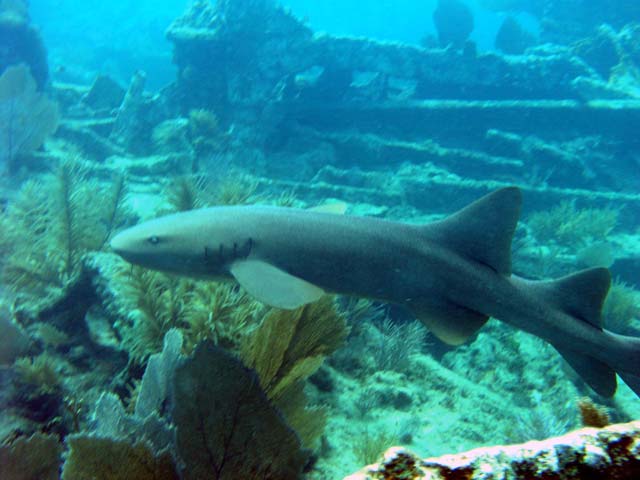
273, 286
337, 208
599, 376
449, 322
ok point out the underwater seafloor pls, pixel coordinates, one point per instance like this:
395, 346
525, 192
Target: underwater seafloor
113, 371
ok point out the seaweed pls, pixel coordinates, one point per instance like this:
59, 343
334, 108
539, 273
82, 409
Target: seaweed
237, 190
396, 343
51, 224
221, 313
151, 304
187, 192
369, 446
621, 306
592, 414
205, 132
569, 226
39, 373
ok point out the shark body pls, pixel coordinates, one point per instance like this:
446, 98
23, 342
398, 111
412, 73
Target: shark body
453, 274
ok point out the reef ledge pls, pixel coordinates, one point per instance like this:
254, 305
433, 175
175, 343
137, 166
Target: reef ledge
612, 452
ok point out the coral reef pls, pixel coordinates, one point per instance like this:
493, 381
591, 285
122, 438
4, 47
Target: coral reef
568, 20
611, 452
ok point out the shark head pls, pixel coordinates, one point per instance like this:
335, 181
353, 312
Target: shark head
173, 244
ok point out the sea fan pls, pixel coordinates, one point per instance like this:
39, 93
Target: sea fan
27, 117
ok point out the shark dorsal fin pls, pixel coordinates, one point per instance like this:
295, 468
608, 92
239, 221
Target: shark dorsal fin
580, 294
483, 230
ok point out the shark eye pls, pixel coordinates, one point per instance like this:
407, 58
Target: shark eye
153, 240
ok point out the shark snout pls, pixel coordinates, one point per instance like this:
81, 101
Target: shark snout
118, 244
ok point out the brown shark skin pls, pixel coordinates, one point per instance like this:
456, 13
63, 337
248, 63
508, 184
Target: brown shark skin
411, 265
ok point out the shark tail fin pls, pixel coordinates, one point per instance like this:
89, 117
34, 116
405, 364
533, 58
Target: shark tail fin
581, 295
632, 381
483, 230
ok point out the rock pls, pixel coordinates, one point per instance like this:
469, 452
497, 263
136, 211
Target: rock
151, 166
137, 116
454, 22
21, 42
171, 136
323, 70
104, 94
88, 137
512, 39
601, 50
610, 452
594, 89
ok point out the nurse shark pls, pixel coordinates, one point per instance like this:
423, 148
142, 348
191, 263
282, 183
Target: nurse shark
451, 274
